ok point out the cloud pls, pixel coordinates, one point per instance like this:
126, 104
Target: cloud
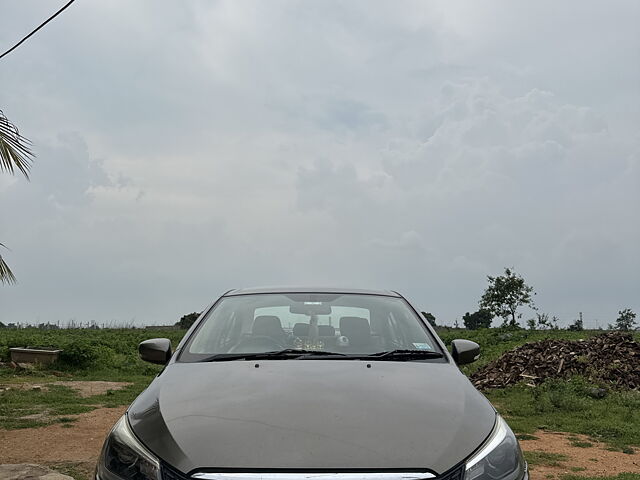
410, 240
184, 149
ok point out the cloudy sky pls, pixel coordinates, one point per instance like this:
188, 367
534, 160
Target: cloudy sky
185, 148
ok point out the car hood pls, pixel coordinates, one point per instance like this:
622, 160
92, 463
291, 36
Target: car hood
312, 414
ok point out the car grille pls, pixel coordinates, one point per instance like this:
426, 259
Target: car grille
170, 473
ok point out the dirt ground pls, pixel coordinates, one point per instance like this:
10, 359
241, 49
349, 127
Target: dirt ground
76, 443
583, 461
79, 444
83, 388
89, 389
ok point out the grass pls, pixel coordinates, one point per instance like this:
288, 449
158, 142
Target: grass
109, 355
56, 403
581, 444
565, 406
536, 457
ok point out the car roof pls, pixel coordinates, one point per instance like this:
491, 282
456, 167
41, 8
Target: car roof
299, 289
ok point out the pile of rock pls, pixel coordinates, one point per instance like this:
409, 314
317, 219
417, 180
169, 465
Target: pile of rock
611, 358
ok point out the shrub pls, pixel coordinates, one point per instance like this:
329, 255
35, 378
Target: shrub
187, 320
576, 326
80, 354
88, 349
480, 319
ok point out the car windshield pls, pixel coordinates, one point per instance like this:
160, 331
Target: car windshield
346, 324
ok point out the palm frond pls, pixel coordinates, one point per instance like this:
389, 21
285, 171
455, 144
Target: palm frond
6, 275
15, 150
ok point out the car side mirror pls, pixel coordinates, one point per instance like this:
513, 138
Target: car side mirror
464, 351
156, 350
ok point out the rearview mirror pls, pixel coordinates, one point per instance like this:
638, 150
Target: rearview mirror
156, 350
464, 351
310, 308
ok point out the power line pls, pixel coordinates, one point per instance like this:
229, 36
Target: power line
38, 28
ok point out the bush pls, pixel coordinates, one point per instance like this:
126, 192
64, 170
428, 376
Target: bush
480, 319
80, 354
115, 350
187, 320
430, 317
576, 326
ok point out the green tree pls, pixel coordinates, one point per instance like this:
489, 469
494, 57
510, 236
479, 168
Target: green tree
626, 320
187, 320
505, 295
480, 319
15, 155
430, 317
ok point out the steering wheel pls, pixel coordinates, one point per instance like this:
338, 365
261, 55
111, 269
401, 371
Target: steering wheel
256, 343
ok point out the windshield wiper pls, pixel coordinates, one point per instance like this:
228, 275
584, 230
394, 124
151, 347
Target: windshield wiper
299, 354
404, 355
286, 354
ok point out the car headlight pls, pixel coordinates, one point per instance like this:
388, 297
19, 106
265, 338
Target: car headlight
125, 458
500, 458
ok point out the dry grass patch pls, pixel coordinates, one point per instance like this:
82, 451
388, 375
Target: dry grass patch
555, 455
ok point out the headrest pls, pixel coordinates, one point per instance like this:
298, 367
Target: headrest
268, 325
326, 331
301, 330
356, 329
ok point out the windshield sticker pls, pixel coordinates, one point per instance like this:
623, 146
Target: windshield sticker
422, 346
